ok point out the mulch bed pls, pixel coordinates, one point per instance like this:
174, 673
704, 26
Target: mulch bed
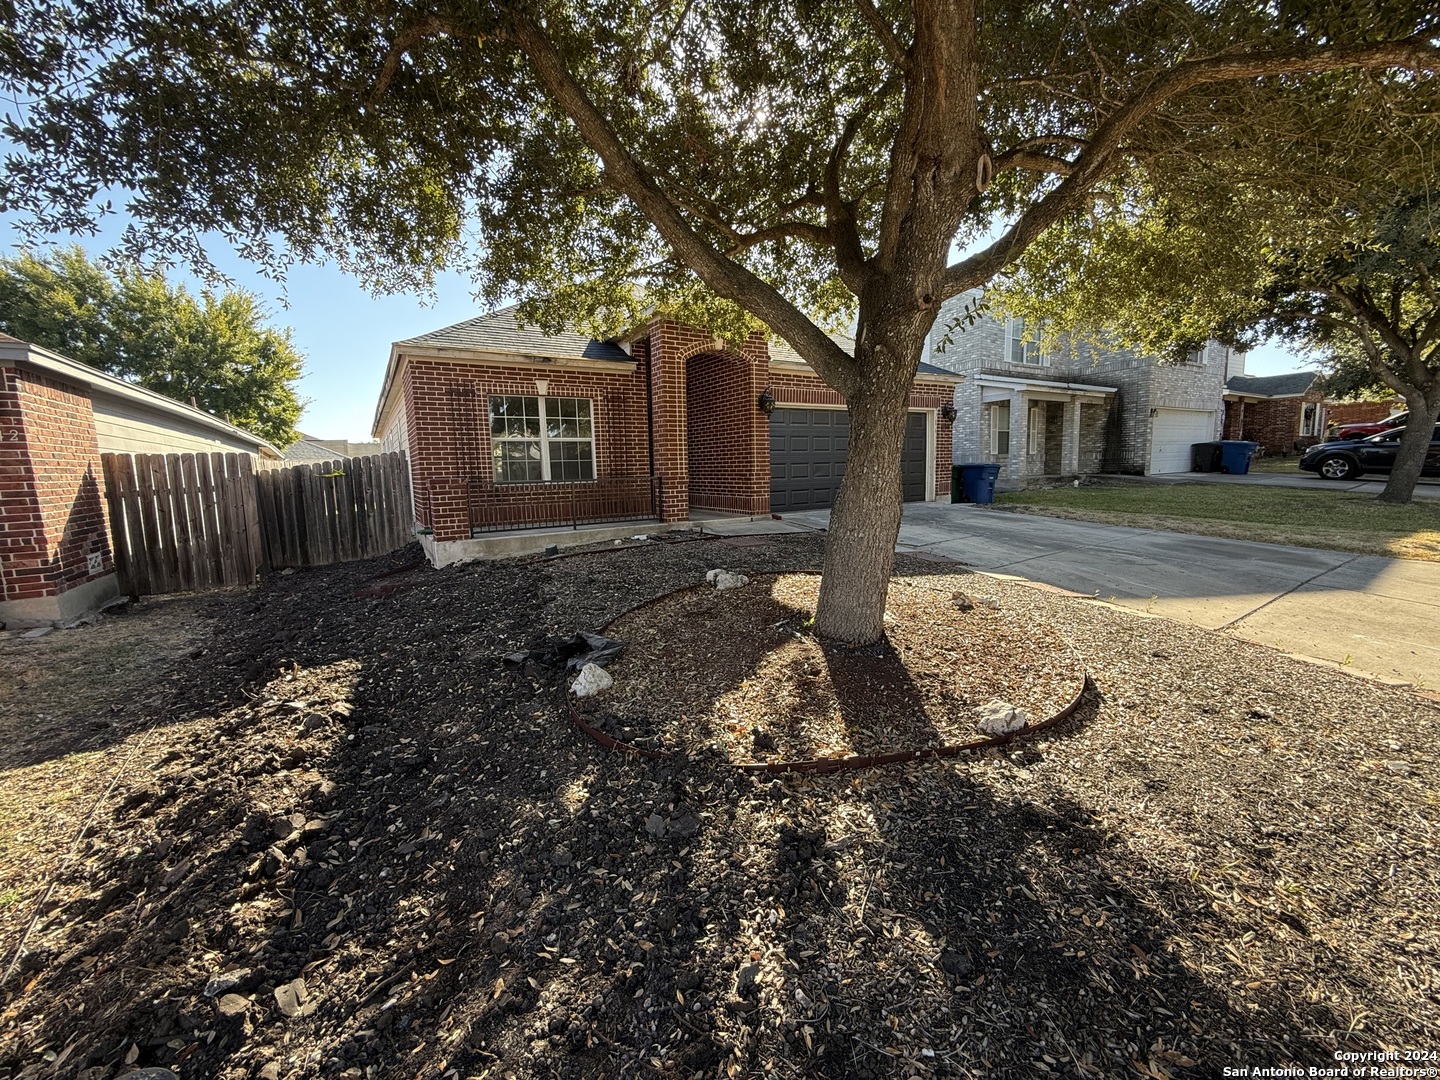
739, 672
386, 853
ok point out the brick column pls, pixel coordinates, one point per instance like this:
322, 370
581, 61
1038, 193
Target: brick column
668, 343
1070, 439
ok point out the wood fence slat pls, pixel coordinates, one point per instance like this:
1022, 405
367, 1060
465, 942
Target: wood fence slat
240, 545
180, 507
165, 512
292, 522
349, 528
264, 497
387, 502
225, 520
119, 525
214, 553
365, 507
195, 513
250, 506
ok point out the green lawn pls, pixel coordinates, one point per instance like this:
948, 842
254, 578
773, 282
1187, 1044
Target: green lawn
1327, 519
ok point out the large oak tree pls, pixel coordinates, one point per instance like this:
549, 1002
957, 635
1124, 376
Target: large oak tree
787, 164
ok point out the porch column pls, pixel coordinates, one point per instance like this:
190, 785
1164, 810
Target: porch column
667, 420
1019, 436
1070, 439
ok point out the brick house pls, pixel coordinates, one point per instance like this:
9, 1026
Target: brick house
57, 416
1283, 413
1077, 411
507, 427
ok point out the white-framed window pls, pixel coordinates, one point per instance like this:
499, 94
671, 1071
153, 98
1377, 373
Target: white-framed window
1018, 350
1195, 357
535, 439
1035, 435
1000, 429
1310, 418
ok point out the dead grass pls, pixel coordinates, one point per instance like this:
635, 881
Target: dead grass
68, 706
1336, 521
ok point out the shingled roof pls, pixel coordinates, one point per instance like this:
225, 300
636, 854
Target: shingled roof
1272, 386
782, 353
501, 332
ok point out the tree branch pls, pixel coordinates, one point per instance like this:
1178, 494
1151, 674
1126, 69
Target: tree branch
1097, 159
722, 275
885, 33
1033, 160
404, 41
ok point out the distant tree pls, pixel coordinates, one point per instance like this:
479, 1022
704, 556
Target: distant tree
746, 164
214, 350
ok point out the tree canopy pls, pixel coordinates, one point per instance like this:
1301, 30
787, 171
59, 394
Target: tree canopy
739, 164
215, 349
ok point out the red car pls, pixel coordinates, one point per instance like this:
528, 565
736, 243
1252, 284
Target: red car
1360, 431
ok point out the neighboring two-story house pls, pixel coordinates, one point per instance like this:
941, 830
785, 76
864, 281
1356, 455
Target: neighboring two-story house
1076, 410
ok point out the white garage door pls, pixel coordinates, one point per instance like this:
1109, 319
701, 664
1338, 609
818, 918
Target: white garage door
1173, 432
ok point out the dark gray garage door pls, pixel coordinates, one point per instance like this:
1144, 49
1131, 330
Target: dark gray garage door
807, 458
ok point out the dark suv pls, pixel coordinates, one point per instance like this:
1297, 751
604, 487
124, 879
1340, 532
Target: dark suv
1345, 459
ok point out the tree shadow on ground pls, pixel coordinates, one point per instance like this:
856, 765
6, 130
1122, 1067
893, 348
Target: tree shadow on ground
464, 883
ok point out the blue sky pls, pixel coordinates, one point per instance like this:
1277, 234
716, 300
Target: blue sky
345, 333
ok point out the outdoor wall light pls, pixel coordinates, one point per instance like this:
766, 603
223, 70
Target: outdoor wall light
947, 411
767, 402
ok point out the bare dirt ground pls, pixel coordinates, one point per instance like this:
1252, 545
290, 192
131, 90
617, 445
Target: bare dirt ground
346, 839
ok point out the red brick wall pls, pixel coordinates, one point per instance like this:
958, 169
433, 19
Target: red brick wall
447, 407
798, 388
1275, 424
1362, 412
52, 514
688, 414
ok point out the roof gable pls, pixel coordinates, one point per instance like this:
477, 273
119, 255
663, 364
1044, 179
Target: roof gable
500, 331
1291, 385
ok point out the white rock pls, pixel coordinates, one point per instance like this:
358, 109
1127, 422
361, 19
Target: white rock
999, 717
711, 575
640, 536
723, 579
593, 679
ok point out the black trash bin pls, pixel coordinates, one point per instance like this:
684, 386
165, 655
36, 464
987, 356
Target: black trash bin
1205, 457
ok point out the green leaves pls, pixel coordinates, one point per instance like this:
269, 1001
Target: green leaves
215, 349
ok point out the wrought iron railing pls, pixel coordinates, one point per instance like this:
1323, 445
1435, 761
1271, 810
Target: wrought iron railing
503, 507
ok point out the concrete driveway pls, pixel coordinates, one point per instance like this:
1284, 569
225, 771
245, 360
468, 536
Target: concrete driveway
1373, 615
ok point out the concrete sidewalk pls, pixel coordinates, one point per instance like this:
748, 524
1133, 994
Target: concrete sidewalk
1369, 614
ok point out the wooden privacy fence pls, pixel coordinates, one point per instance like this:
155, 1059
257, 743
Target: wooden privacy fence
335, 511
188, 522
182, 522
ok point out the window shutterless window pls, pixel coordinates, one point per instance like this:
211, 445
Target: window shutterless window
1020, 351
1000, 429
535, 439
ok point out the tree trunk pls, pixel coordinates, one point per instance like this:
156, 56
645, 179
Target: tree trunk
1414, 446
865, 520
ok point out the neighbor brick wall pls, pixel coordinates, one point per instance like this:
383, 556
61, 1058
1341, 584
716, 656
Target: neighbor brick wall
52, 514
448, 432
1274, 424
1361, 412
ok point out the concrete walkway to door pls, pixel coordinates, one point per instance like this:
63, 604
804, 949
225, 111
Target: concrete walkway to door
1370, 614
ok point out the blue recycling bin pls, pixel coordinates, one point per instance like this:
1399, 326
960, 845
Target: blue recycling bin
977, 482
1235, 455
